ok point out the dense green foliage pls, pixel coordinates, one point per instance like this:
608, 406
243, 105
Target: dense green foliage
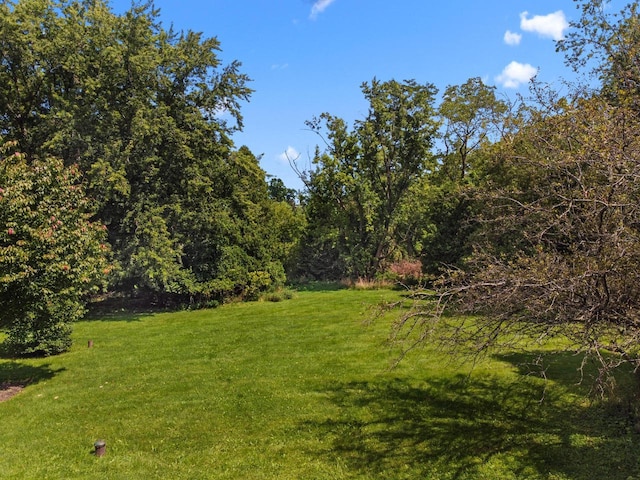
51, 254
147, 114
298, 390
382, 193
362, 181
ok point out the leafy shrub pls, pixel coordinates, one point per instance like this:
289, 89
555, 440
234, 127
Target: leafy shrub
257, 283
279, 295
51, 255
406, 271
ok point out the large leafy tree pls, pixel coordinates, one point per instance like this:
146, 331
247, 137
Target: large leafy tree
147, 114
365, 174
51, 254
247, 237
472, 116
606, 44
472, 119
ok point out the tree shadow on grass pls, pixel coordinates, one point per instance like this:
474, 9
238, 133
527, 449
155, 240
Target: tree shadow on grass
14, 376
116, 316
121, 309
479, 426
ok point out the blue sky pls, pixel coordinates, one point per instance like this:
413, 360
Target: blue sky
307, 57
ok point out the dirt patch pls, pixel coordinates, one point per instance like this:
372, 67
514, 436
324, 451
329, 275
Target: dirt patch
10, 389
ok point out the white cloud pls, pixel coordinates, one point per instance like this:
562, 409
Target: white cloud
319, 6
279, 66
515, 74
552, 25
511, 38
288, 155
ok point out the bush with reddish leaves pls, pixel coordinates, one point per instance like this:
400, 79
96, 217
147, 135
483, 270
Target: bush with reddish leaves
406, 271
51, 254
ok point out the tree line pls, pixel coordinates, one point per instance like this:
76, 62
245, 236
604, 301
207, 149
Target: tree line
118, 168
119, 173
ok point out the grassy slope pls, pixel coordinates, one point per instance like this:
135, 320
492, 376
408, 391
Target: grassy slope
295, 390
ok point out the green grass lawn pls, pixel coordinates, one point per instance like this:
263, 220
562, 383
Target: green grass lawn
299, 389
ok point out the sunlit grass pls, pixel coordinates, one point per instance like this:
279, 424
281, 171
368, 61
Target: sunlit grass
297, 389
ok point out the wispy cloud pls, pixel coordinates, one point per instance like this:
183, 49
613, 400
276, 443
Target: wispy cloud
552, 25
319, 6
511, 38
279, 66
516, 74
289, 155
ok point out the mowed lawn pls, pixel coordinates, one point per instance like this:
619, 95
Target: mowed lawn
299, 389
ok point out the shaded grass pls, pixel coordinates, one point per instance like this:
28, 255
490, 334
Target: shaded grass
291, 390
